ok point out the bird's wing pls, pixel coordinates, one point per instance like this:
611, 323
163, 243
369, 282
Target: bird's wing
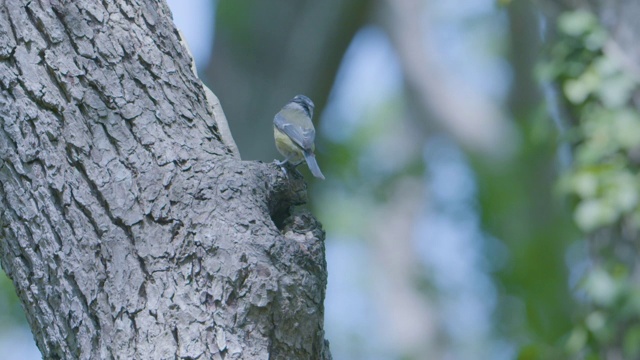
302, 137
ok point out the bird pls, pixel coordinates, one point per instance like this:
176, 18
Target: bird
295, 135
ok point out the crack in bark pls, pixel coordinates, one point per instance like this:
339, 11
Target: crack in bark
95, 321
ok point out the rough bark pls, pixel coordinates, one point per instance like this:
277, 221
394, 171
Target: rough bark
129, 227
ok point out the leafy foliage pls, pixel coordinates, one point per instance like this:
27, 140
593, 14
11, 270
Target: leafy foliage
604, 183
598, 92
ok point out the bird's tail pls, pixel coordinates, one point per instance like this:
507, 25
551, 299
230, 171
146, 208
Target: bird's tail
313, 165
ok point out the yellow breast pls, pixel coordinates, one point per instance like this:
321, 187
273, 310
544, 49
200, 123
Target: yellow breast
286, 147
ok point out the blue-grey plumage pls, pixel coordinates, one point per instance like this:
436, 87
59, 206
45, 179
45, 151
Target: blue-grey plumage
295, 135
310, 158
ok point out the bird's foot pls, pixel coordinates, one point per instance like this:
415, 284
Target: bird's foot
281, 164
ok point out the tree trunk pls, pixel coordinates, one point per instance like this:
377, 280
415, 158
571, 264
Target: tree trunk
130, 227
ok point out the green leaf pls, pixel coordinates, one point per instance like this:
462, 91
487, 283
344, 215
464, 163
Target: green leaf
616, 91
577, 340
601, 287
585, 184
576, 91
626, 128
631, 343
591, 214
622, 191
596, 321
577, 22
596, 39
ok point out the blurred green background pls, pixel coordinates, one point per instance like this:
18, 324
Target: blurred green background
482, 192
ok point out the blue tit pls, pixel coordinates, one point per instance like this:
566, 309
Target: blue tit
295, 134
